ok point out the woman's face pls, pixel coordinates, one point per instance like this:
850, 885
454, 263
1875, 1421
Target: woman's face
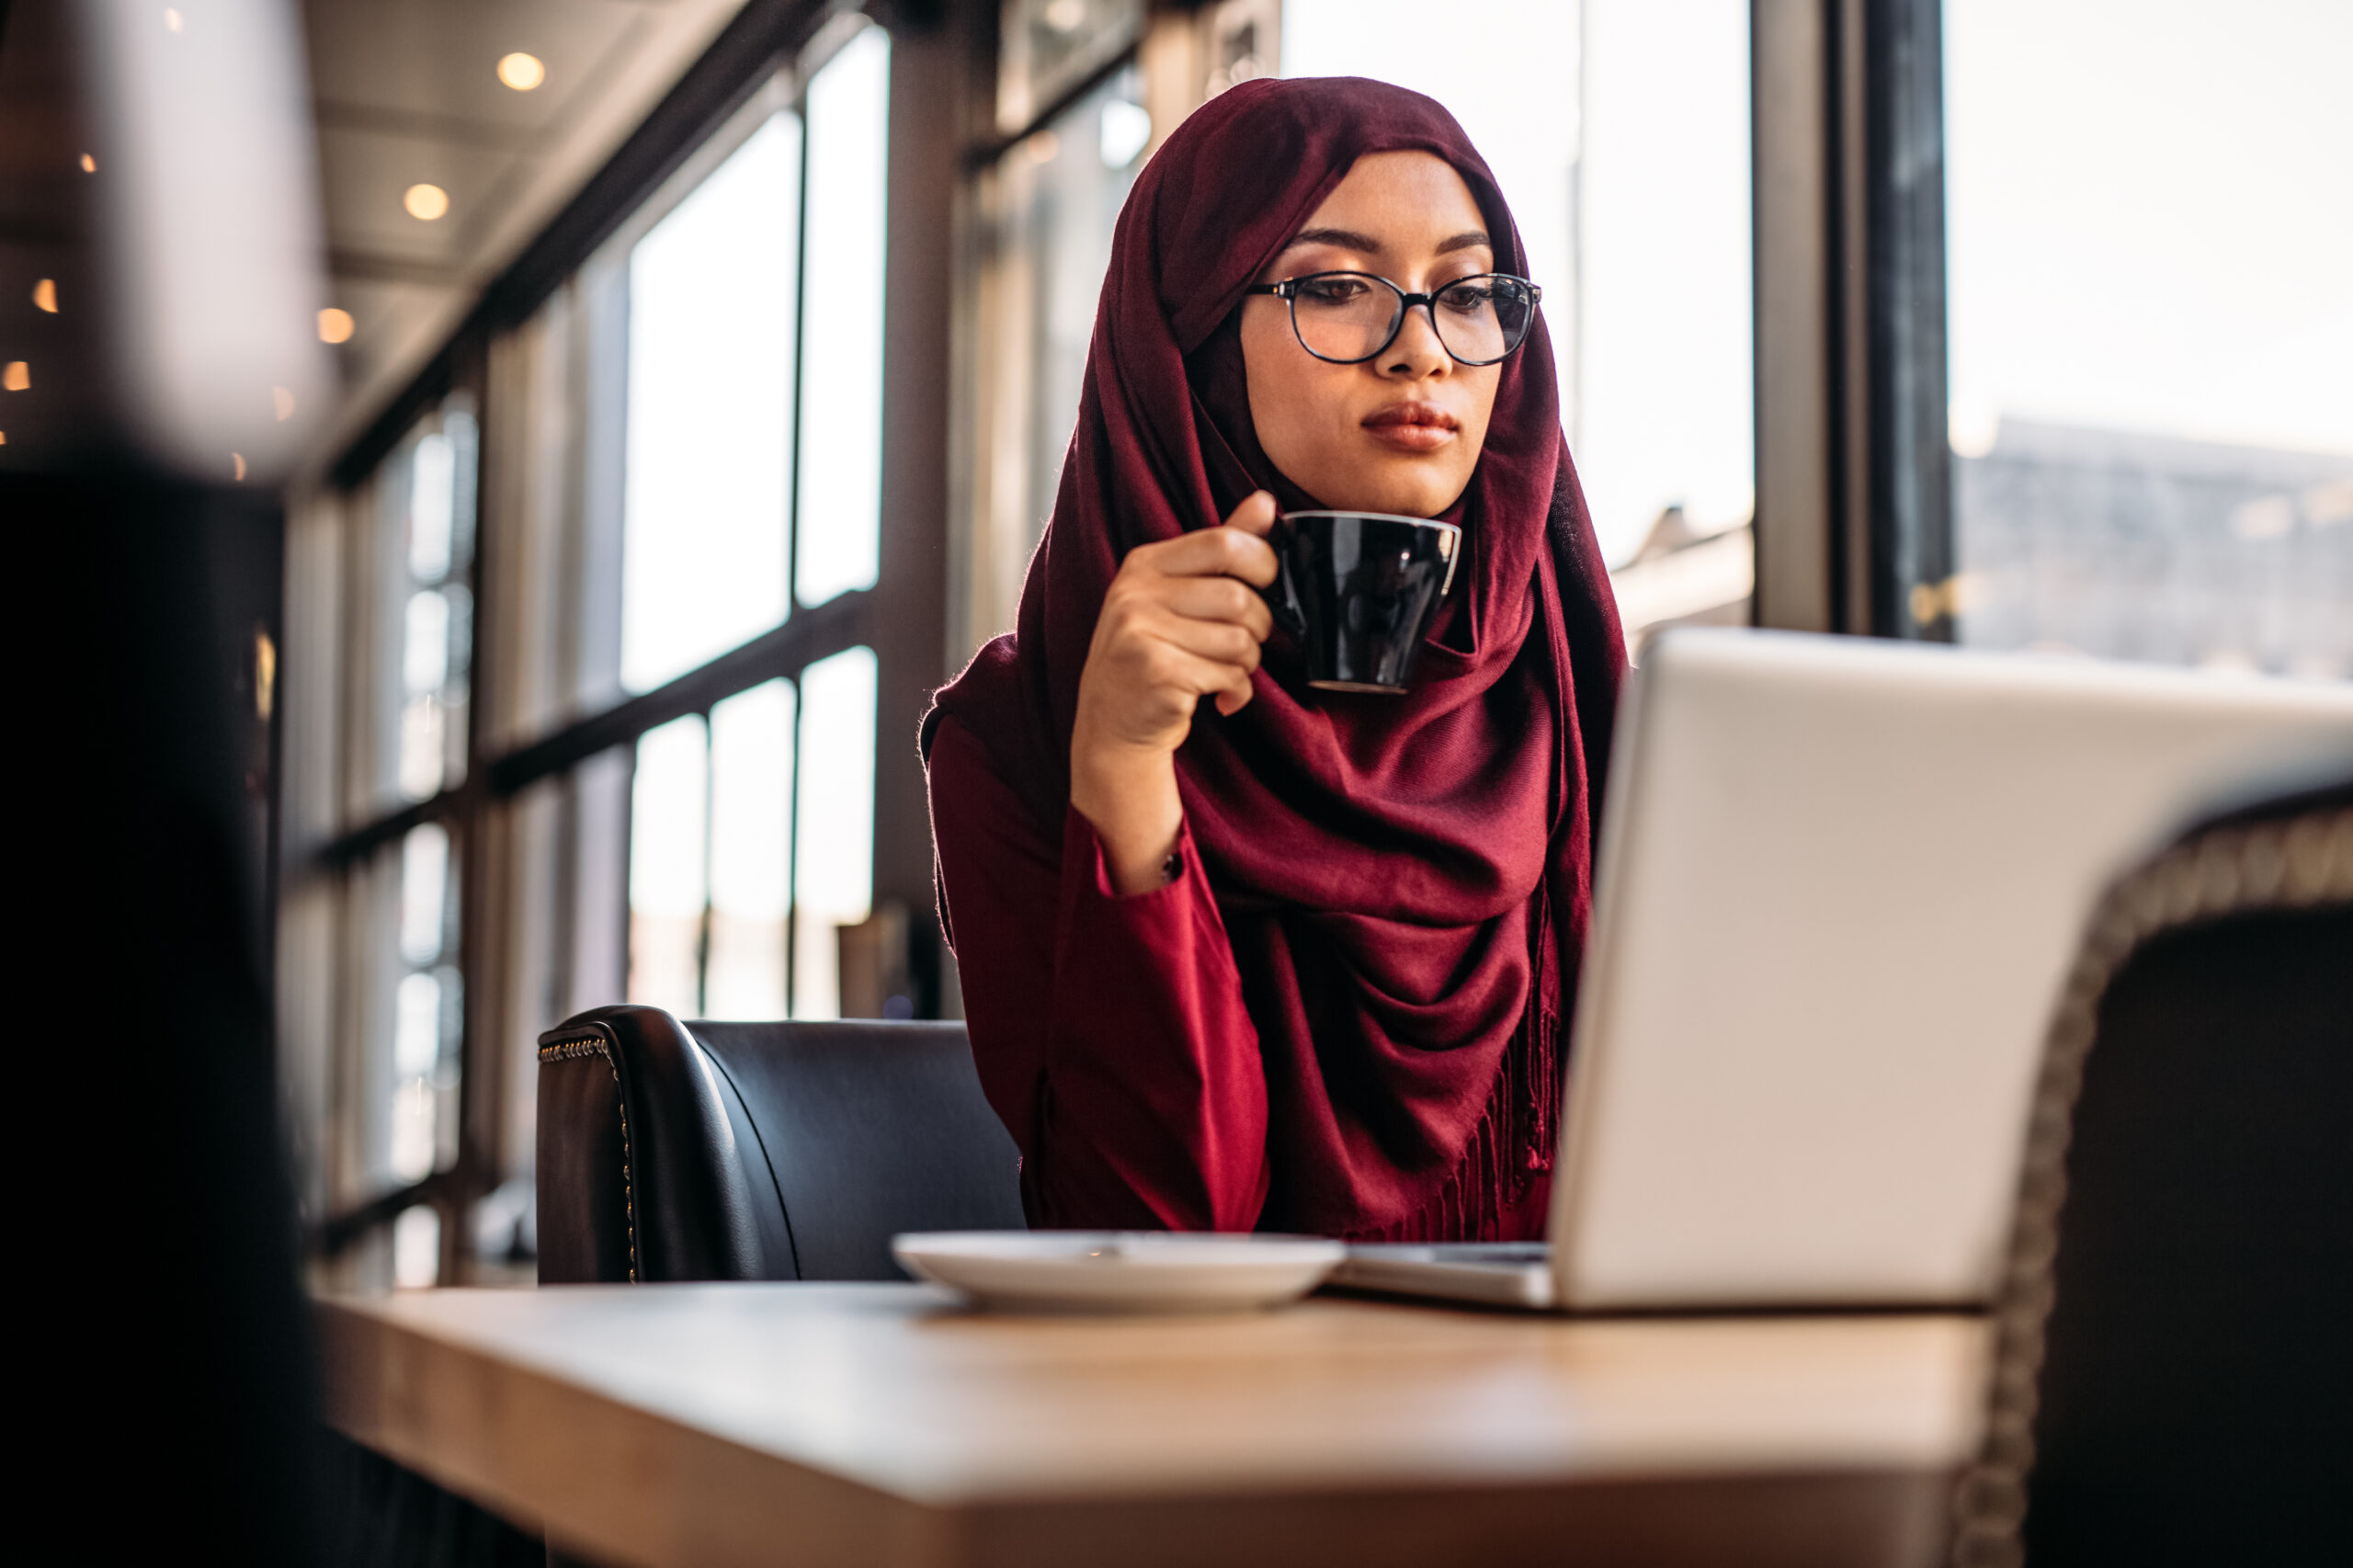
1401, 431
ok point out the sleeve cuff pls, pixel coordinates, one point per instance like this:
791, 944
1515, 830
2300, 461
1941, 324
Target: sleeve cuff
1083, 849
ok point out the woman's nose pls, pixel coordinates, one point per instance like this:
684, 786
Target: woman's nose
1416, 352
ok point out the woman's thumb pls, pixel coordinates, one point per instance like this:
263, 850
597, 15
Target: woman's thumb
1255, 515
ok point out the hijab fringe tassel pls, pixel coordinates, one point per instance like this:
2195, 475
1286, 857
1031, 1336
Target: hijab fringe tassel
1512, 1145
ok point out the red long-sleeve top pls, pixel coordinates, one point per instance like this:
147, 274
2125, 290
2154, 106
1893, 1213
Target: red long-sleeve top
1109, 1032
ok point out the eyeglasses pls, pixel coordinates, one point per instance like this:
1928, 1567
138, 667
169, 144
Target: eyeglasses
1347, 317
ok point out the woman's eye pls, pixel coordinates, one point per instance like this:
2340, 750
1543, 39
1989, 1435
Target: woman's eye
1332, 290
1468, 299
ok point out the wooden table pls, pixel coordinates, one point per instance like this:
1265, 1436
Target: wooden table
878, 1425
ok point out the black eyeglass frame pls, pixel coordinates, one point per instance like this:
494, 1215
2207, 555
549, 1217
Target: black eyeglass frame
1287, 291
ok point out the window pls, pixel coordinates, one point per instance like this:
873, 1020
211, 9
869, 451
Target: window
2151, 318
1619, 130
603, 717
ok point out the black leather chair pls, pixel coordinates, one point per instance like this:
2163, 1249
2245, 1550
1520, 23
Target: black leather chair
2173, 1375
763, 1150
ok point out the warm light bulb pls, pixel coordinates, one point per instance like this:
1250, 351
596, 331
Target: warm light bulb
45, 295
18, 377
522, 72
335, 326
426, 201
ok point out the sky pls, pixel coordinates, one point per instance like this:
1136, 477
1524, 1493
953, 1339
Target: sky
2150, 217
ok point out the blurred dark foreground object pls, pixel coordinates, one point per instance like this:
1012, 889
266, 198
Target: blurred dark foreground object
759, 1151
2173, 1367
168, 1383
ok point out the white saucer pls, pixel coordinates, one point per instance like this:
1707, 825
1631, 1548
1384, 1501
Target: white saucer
1119, 1271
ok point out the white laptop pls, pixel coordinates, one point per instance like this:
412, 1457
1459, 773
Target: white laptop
1840, 882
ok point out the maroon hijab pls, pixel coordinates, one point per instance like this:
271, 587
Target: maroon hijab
1406, 881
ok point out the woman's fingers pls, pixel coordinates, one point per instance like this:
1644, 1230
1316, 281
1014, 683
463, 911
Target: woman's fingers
1226, 641
1219, 598
1237, 551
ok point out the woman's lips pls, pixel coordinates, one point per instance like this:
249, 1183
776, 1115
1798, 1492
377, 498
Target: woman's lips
1411, 426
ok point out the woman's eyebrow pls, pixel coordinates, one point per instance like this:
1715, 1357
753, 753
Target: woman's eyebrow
1344, 239
1464, 241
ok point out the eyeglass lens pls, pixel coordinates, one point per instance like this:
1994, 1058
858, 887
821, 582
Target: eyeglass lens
1352, 316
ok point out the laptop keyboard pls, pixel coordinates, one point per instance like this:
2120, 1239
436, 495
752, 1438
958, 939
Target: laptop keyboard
1493, 1252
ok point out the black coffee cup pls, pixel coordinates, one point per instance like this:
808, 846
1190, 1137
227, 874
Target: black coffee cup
1355, 591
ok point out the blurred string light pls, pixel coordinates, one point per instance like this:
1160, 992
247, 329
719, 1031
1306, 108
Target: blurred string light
237, 460
45, 295
522, 72
282, 402
335, 325
89, 165
425, 202
172, 21
18, 377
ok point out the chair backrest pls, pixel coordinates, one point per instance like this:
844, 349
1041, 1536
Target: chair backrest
673, 1151
2172, 1377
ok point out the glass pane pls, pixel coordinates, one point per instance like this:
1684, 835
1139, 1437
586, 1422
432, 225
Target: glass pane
1068, 196
667, 866
1619, 132
2152, 319
751, 804
431, 486
416, 1248
428, 1013
1049, 46
710, 331
839, 520
833, 880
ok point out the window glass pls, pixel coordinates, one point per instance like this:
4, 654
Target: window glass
1619, 132
2151, 322
428, 1009
709, 459
833, 880
1047, 47
751, 794
668, 869
840, 513
431, 494
1056, 197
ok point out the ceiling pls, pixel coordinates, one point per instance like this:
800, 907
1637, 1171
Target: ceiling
407, 92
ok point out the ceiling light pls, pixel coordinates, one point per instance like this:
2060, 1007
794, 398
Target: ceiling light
335, 326
522, 72
18, 377
426, 201
45, 295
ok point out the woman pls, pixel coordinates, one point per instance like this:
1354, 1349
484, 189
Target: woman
1287, 958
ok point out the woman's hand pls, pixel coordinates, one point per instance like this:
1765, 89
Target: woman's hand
1181, 621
